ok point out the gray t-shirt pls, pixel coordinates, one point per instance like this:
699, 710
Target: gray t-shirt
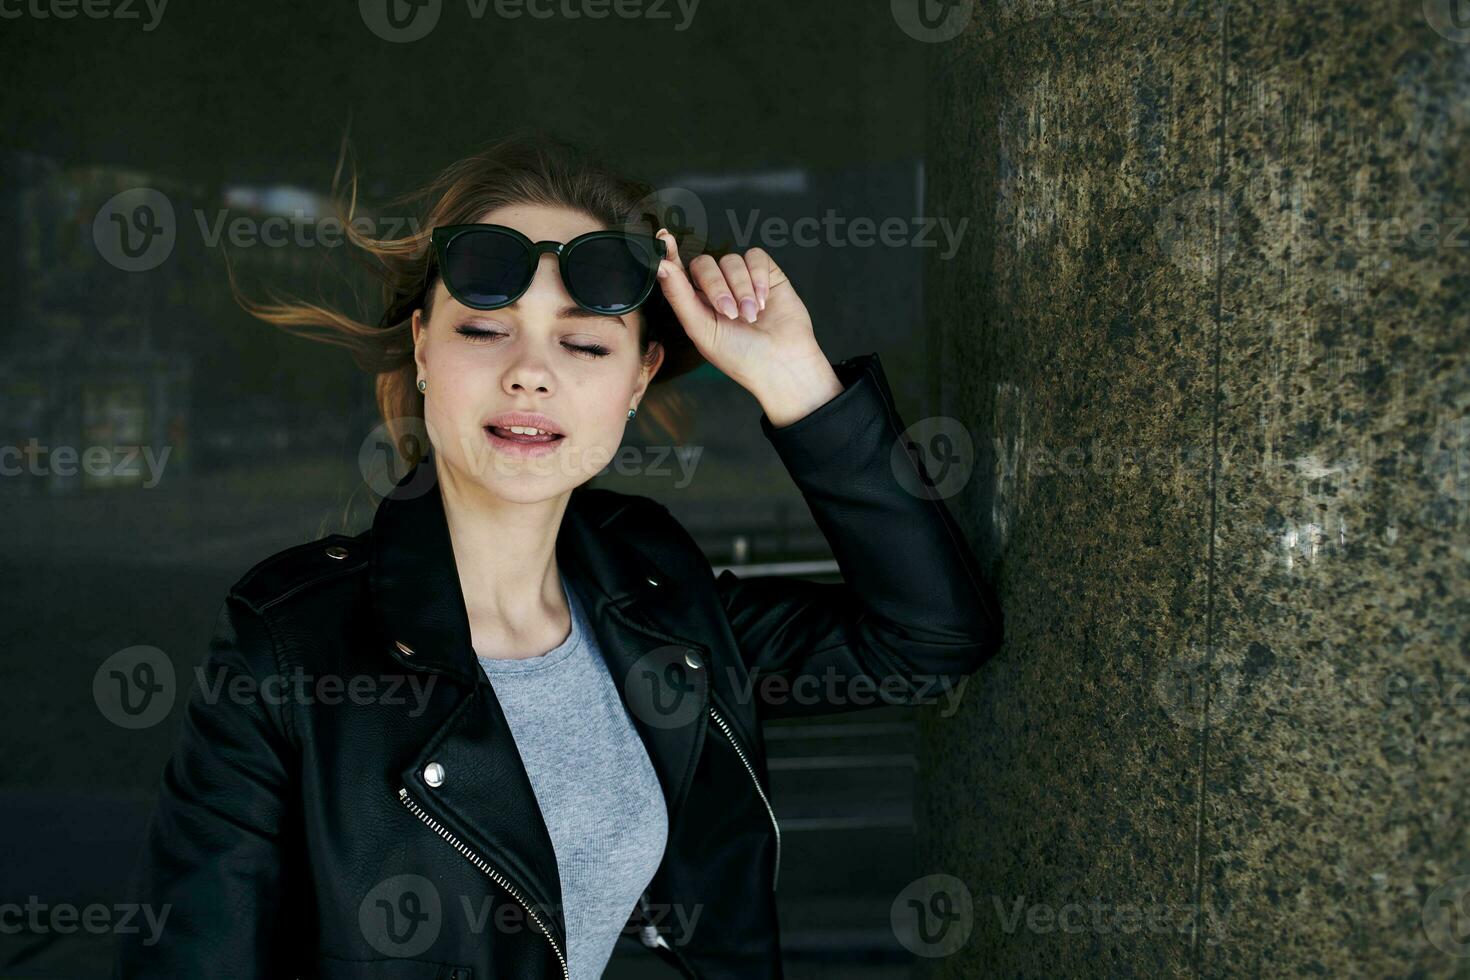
593, 781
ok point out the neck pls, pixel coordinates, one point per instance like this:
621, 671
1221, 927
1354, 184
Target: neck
505, 555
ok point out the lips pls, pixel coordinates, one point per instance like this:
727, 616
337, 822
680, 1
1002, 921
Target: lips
504, 424
538, 433
523, 435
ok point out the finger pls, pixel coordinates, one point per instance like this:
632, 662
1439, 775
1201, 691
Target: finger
706, 273
737, 277
758, 261
692, 309
671, 248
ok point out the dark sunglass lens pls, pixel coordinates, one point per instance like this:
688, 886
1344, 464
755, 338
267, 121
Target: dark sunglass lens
610, 274
485, 268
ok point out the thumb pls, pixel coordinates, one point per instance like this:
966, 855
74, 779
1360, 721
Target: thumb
689, 305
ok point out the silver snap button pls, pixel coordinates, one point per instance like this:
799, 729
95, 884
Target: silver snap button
337, 551
692, 659
434, 774
407, 650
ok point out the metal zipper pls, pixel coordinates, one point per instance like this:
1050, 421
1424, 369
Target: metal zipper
746, 762
495, 876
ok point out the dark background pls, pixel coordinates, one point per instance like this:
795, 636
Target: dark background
238, 111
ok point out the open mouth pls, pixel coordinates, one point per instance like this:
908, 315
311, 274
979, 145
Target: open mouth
525, 443
523, 434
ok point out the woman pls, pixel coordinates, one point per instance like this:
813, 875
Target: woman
557, 733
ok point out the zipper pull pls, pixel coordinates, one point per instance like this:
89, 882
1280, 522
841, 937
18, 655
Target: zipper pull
648, 932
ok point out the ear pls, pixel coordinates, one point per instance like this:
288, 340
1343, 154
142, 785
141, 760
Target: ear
419, 344
648, 369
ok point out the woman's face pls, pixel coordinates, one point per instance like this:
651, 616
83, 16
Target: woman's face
542, 355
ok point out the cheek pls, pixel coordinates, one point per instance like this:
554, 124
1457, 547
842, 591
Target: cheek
458, 393
599, 410
453, 381
594, 405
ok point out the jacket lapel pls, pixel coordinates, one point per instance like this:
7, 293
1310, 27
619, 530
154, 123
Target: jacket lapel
485, 797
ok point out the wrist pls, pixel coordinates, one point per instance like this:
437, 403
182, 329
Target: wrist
797, 388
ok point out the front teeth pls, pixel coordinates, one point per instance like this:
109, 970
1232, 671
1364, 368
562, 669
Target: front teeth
526, 430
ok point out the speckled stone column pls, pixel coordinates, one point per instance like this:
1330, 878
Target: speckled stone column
1208, 331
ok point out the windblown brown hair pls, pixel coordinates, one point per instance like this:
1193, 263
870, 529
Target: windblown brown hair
525, 167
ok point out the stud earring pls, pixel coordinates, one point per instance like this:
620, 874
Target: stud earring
423, 384
632, 412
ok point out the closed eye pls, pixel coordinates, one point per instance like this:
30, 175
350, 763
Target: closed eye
477, 336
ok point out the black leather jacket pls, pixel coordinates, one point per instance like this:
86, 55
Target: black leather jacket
350, 801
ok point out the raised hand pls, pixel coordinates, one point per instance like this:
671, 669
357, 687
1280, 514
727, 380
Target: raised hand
744, 317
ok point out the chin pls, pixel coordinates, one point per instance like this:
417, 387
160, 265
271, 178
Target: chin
529, 483
523, 492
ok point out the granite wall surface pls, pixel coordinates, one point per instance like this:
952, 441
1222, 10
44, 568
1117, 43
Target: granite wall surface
1208, 331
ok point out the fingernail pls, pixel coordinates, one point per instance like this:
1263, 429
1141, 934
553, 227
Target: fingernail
748, 309
727, 307
761, 295
663, 270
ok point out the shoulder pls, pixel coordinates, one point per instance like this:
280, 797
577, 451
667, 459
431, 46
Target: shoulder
630, 515
644, 524
604, 508
301, 570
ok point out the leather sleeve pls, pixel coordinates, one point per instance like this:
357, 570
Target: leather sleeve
913, 614
213, 857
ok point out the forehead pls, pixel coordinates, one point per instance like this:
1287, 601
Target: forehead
541, 223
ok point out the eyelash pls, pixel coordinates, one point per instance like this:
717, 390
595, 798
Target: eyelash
591, 350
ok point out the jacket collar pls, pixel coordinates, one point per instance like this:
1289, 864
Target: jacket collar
636, 614
415, 584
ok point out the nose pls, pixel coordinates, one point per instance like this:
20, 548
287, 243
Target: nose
530, 369
528, 373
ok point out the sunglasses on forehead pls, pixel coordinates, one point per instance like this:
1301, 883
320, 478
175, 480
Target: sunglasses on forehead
487, 266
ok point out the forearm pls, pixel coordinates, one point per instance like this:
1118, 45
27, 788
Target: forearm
898, 548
